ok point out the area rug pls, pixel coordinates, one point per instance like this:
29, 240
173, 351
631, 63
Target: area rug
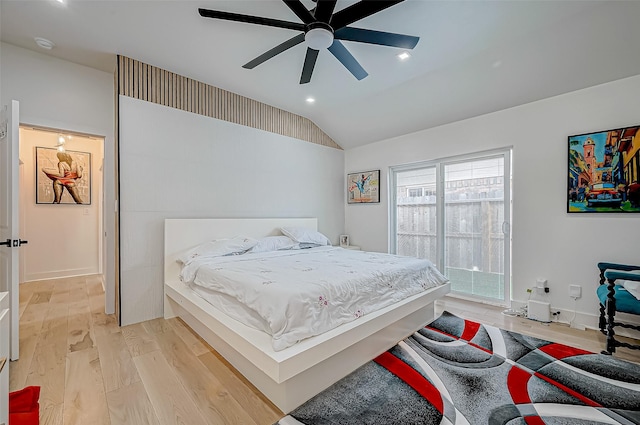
456, 371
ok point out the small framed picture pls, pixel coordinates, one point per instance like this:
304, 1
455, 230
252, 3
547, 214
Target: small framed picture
344, 240
363, 187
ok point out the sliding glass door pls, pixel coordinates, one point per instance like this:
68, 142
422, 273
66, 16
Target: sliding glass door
455, 212
416, 229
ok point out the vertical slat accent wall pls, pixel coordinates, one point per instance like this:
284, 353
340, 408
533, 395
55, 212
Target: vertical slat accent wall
145, 82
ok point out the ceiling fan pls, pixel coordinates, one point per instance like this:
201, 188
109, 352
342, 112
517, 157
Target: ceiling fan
323, 29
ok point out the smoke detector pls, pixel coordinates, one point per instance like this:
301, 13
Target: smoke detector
44, 43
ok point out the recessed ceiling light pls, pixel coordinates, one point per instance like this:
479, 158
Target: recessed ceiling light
44, 43
61, 1
310, 100
404, 56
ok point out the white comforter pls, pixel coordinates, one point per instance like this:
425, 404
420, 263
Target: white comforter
302, 293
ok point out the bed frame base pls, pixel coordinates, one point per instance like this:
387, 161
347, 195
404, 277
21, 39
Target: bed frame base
296, 390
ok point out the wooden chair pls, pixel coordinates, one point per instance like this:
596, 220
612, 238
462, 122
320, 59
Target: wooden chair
615, 298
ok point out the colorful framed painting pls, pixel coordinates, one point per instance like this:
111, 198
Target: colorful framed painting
63, 177
604, 170
363, 187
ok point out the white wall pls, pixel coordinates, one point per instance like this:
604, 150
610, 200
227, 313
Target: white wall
62, 95
547, 242
175, 164
64, 240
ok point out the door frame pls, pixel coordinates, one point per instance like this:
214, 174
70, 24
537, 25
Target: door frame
107, 246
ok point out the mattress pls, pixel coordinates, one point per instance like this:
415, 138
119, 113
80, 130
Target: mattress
296, 294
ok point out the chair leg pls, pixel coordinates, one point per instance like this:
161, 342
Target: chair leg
611, 311
602, 322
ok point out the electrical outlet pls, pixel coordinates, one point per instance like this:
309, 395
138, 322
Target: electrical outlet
575, 291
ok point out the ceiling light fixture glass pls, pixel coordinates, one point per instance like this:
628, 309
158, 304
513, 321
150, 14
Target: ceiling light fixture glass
61, 142
310, 100
404, 56
319, 37
44, 43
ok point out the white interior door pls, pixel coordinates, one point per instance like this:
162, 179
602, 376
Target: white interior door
9, 230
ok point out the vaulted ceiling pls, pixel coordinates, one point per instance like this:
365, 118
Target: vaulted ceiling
473, 57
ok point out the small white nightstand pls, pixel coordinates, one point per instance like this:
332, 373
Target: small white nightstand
356, 248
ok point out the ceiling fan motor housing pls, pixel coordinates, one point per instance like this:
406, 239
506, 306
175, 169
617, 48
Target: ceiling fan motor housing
319, 36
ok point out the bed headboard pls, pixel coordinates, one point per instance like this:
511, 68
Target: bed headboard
181, 234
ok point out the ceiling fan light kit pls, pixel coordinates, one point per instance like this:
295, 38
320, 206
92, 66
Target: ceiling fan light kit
323, 29
319, 38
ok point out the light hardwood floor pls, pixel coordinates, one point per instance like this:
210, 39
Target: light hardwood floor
160, 372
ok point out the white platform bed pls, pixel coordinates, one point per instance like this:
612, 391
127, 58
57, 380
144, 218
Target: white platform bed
291, 376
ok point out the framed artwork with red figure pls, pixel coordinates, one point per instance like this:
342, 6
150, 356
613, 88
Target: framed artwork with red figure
63, 176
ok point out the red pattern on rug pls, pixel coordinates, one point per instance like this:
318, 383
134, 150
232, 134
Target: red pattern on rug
412, 378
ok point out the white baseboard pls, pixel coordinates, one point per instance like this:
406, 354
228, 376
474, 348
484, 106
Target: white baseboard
59, 274
579, 320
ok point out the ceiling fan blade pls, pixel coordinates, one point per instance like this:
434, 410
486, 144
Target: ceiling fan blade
324, 10
342, 54
377, 37
309, 64
275, 51
358, 11
248, 19
301, 12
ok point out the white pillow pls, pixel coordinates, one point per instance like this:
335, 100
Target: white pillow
304, 235
218, 248
274, 243
632, 286
306, 245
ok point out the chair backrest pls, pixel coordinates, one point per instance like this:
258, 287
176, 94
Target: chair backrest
603, 267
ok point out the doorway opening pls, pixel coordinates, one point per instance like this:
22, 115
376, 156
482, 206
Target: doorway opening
62, 216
